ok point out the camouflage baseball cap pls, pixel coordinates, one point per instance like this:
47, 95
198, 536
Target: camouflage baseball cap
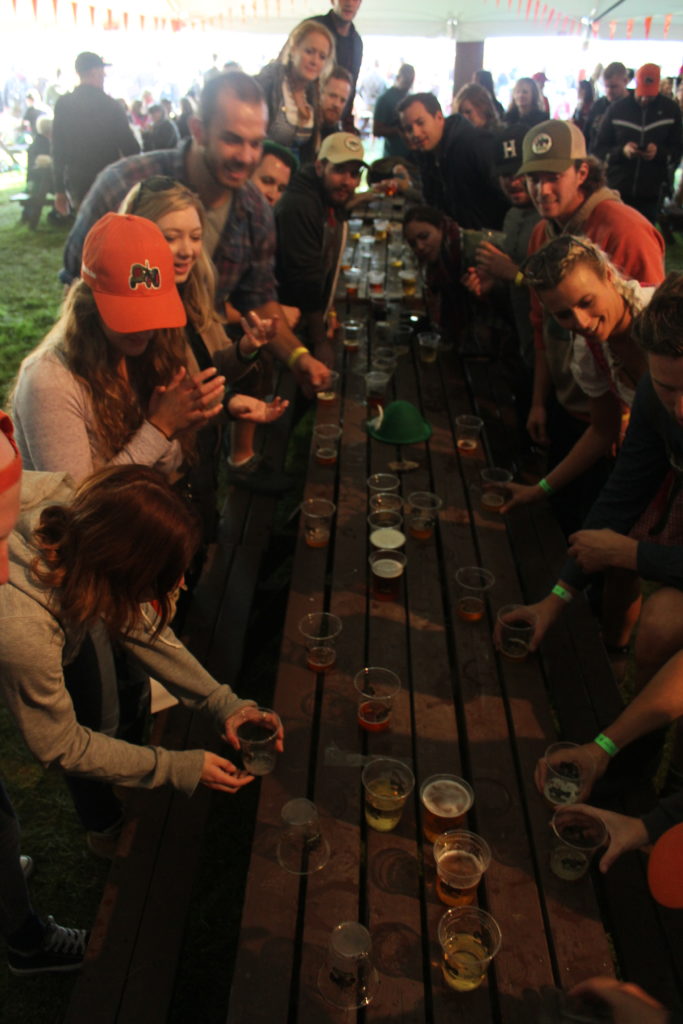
552, 146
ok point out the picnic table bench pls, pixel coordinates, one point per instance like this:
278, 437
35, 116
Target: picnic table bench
463, 710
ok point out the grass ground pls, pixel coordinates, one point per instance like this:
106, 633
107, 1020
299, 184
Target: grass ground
68, 880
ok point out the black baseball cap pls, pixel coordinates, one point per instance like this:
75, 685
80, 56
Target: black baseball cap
87, 61
507, 155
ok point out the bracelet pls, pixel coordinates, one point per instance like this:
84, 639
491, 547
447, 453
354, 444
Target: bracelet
608, 745
562, 592
296, 355
519, 281
241, 358
546, 487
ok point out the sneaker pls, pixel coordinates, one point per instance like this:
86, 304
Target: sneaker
26, 864
258, 475
63, 949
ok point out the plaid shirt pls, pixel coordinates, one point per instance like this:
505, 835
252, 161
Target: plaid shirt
245, 253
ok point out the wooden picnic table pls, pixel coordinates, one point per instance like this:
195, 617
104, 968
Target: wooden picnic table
463, 709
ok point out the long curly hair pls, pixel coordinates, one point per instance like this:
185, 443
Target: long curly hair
199, 291
126, 539
121, 404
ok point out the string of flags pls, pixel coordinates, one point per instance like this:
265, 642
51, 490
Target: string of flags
565, 24
96, 16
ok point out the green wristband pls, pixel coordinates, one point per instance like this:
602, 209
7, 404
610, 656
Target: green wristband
562, 592
546, 487
608, 745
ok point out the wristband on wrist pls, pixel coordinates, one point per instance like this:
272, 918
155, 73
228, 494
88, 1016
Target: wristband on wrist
294, 356
562, 592
608, 745
241, 358
546, 487
519, 279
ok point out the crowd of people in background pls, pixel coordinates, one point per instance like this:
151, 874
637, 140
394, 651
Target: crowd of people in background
205, 244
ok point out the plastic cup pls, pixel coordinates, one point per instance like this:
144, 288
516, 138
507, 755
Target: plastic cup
383, 483
382, 332
347, 259
376, 282
355, 227
494, 487
461, 859
403, 337
320, 631
563, 779
348, 978
385, 530
375, 389
387, 784
408, 279
472, 584
469, 939
326, 443
258, 738
377, 689
352, 278
445, 799
328, 392
317, 515
516, 624
422, 515
381, 227
354, 333
428, 343
382, 501
384, 364
302, 848
387, 567
577, 836
467, 432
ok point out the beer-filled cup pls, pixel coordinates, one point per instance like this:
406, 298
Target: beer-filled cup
445, 799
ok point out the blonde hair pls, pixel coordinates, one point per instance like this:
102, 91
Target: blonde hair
120, 405
198, 292
296, 38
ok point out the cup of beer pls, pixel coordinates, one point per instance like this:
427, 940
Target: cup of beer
376, 282
383, 483
381, 227
328, 391
469, 940
354, 333
494, 492
376, 384
445, 799
384, 364
467, 433
563, 778
355, 228
347, 978
352, 278
403, 337
387, 784
320, 631
408, 279
385, 530
461, 859
347, 259
423, 513
387, 568
326, 443
578, 836
258, 739
383, 334
516, 625
377, 689
472, 583
428, 344
317, 515
301, 848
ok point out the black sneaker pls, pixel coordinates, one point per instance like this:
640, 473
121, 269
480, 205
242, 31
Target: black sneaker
258, 475
62, 950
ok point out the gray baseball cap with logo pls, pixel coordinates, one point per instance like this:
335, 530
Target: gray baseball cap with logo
552, 146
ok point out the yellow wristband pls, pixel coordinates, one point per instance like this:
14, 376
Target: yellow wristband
296, 355
519, 279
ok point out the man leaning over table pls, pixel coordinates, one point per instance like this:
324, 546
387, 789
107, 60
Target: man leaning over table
217, 161
311, 230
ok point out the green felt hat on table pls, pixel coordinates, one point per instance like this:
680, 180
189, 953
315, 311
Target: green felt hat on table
401, 423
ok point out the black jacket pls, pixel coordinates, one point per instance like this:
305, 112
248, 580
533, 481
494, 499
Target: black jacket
457, 176
627, 121
349, 52
309, 240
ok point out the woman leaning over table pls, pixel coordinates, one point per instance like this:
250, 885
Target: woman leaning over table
435, 240
291, 85
92, 573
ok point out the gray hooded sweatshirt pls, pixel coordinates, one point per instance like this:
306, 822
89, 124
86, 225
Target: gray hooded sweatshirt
34, 645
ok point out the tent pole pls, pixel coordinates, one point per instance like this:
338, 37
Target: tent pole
469, 57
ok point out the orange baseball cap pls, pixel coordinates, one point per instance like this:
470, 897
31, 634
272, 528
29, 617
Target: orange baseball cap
128, 265
647, 80
11, 472
665, 869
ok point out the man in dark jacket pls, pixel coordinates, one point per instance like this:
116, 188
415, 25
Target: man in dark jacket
615, 79
90, 131
456, 162
641, 139
311, 229
348, 46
